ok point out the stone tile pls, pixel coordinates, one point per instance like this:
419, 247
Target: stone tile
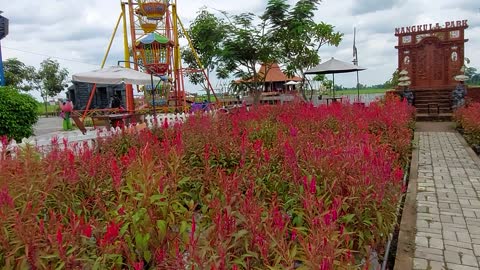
421, 241
419, 263
469, 260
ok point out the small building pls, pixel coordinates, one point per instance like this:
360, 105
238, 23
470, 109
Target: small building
275, 79
79, 94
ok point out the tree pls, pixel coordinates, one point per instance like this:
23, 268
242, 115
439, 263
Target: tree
18, 113
392, 82
51, 79
247, 45
206, 33
299, 36
474, 77
18, 75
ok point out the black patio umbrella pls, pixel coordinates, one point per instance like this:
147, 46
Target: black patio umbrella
333, 66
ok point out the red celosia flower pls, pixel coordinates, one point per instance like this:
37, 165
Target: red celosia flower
116, 174
138, 265
59, 236
111, 234
5, 198
87, 230
294, 234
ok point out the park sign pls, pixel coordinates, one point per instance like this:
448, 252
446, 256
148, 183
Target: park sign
430, 27
3, 27
432, 54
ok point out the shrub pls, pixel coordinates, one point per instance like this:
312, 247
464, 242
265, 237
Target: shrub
18, 114
272, 188
468, 119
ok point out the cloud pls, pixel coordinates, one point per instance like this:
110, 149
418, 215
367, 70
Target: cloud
367, 6
77, 32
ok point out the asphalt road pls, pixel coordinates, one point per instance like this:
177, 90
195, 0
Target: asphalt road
48, 125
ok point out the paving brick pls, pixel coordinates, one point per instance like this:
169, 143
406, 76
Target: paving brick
469, 260
419, 263
453, 266
437, 265
459, 250
463, 237
452, 257
448, 235
421, 241
476, 250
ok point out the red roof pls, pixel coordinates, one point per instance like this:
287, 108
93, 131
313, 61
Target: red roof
275, 74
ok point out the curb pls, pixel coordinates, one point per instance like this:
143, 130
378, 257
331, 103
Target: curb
406, 237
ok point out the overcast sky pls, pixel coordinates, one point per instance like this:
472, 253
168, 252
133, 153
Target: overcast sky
77, 32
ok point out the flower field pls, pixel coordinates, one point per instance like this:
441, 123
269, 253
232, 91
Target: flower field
277, 187
468, 119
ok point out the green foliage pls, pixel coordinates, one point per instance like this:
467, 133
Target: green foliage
206, 33
53, 78
247, 45
393, 82
298, 34
18, 114
474, 76
18, 75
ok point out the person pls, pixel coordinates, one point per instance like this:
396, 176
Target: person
67, 109
407, 93
116, 102
460, 92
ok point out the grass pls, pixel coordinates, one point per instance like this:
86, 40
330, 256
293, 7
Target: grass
50, 108
362, 91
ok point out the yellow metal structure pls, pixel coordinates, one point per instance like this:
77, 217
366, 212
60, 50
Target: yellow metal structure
142, 20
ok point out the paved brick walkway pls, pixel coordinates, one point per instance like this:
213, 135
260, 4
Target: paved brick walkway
448, 204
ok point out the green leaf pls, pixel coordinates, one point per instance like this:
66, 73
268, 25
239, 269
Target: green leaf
124, 228
60, 266
147, 255
183, 227
156, 197
348, 218
162, 227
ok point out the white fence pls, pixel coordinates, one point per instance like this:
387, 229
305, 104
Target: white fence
76, 138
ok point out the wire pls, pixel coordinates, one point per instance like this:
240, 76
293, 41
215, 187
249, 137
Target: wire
50, 56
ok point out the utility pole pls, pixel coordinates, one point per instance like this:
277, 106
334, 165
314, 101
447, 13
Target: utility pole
3, 33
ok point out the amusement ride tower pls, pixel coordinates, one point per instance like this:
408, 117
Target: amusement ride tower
154, 47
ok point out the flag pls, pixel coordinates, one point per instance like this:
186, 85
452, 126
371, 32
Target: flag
355, 53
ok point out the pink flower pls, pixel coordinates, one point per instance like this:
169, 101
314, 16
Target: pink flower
138, 265
87, 231
5, 198
59, 236
294, 234
111, 234
116, 174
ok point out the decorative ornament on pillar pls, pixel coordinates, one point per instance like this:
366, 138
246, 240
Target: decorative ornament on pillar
3, 33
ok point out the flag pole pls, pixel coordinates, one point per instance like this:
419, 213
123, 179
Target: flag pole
355, 61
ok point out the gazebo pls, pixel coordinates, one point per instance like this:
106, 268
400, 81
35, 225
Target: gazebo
275, 79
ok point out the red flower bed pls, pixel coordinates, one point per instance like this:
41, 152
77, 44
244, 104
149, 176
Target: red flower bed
276, 187
468, 119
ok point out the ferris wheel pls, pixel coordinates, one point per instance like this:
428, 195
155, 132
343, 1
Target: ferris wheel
151, 44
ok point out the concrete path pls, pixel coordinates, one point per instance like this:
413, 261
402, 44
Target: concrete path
447, 234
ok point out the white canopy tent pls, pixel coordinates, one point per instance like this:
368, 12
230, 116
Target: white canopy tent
116, 75
292, 83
